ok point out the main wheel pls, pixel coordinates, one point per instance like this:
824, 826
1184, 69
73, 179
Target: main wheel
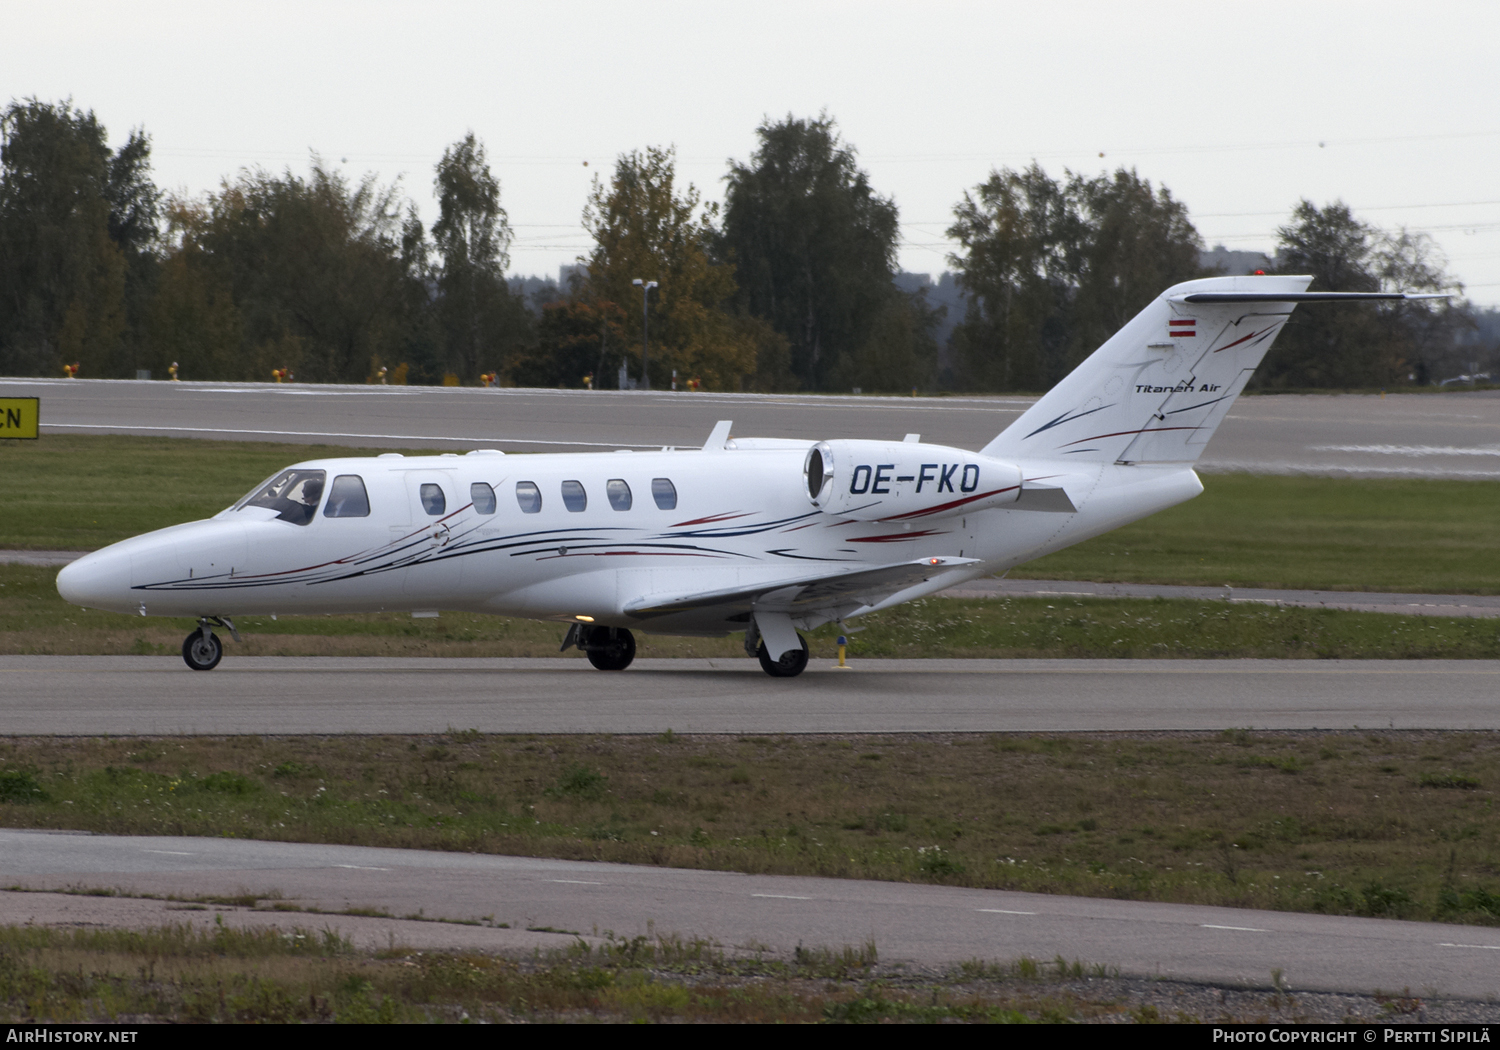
792, 663
202, 654
610, 648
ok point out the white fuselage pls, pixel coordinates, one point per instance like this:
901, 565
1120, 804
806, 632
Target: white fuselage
733, 517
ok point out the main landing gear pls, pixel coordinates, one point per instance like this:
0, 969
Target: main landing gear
792, 663
202, 649
608, 648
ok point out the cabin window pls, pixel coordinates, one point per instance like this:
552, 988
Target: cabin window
347, 498
665, 493
433, 500
483, 497
574, 498
293, 494
529, 497
618, 493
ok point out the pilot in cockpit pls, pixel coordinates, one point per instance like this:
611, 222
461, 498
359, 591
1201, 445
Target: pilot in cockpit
302, 501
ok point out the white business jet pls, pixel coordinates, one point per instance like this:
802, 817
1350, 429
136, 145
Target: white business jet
767, 536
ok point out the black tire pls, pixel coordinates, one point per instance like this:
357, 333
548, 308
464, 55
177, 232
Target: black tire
792, 663
201, 654
610, 649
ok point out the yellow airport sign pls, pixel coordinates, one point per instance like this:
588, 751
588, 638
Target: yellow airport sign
20, 417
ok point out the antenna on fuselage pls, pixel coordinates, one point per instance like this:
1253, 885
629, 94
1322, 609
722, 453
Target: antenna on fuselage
719, 437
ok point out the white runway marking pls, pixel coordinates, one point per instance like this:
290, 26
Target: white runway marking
781, 896
1004, 911
1486, 947
1410, 450
331, 434
1239, 929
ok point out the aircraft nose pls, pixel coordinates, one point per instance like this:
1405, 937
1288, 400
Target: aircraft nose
100, 580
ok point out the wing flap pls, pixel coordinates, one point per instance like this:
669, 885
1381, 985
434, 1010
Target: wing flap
862, 586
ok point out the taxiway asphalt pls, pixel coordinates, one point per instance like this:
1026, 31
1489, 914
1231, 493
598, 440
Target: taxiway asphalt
131, 695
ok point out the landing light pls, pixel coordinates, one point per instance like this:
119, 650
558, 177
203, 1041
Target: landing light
584, 619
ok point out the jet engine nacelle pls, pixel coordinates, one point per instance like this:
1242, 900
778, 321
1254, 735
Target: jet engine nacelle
902, 480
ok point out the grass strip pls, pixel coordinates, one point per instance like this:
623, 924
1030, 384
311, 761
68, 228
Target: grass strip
1337, 534
35, 621
1385, 823
216, 973
72, 492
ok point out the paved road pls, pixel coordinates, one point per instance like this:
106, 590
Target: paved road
930, 925
125, 695
1421, 435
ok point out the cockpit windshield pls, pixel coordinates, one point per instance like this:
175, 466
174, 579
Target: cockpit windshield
292, 494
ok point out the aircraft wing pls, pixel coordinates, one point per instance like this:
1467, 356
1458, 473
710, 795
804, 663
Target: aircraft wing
861, 586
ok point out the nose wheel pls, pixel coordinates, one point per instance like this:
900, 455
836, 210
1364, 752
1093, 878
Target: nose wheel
202, 650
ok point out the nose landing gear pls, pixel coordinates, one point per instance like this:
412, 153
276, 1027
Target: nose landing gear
202, 649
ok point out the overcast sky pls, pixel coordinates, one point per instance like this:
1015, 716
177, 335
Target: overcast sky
1241, 109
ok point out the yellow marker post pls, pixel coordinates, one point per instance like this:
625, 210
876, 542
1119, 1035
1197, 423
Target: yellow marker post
843, 644
20, 418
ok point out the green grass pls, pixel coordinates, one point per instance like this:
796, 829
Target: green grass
216, 973
81, 492
1398, 824
35, 621
1423, 536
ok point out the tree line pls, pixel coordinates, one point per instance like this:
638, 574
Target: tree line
789, 285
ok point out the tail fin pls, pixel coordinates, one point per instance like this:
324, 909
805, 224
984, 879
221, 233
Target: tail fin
1160, 387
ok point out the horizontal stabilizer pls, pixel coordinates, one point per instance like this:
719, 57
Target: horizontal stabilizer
828, 590
1302, 297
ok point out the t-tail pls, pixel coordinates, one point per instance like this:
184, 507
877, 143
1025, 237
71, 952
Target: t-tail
1160, 387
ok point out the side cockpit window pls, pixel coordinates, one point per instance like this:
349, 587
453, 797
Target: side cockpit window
347, 498
529, 497
292, 494
483, 498
665, 493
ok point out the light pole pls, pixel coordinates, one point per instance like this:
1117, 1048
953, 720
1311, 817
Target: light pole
645, 287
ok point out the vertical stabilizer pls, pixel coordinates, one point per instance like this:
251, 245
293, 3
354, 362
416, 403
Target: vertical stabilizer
1160, 387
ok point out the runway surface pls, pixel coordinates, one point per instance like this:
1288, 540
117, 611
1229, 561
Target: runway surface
928, 925
1454, 434
128, 695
